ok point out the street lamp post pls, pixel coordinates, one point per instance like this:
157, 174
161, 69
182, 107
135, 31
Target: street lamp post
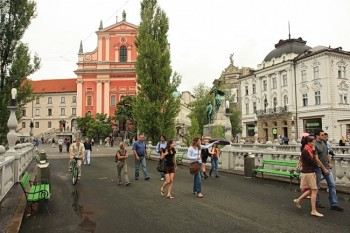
292, 130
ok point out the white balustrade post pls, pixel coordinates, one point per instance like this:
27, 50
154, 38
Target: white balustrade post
2, 152
12, 124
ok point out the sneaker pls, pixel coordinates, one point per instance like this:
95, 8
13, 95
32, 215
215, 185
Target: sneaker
210, 172
206, 176
162, 178
200, 195
78, 177
316, 214
320, 206
195, 193
127, 184
338, 208
297, 204
217, 176
147, 178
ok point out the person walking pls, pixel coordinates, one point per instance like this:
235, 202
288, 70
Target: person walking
170, 167
214, 160
67, 142
122, 167
53, 143
325, 169
76, 150
160, 146
308, 175
140, 153
204, 155
342, 143
88, 149
194, 154
60, 144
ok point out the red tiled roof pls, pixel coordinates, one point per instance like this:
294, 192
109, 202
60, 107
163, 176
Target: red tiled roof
54, 85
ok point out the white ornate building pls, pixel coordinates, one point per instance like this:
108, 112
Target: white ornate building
297, 89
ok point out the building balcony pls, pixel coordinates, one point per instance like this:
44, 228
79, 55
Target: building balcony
272, 111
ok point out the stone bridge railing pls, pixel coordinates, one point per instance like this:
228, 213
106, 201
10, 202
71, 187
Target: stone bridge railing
232, 157
13, 164
16, 159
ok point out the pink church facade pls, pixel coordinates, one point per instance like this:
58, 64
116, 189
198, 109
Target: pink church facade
107, 74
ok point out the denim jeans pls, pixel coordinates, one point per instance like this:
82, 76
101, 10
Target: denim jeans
332, 193
197, 184
215, 166
142, 161
161, 174
87, 157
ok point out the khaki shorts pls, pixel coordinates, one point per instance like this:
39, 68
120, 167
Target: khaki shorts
308, 181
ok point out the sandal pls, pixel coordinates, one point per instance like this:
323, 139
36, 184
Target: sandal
170, 197
162, 191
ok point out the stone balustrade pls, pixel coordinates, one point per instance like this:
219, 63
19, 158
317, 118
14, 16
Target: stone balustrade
232, 157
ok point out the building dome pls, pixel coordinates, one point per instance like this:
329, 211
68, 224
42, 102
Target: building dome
288, 46
176, 94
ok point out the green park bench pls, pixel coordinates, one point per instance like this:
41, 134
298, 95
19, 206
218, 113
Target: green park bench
35, 192
179, 157
291, 173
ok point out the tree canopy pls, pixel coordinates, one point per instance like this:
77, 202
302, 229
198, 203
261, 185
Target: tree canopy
16, 63
156, 107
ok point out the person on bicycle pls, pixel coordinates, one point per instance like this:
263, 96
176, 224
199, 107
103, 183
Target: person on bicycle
76, 150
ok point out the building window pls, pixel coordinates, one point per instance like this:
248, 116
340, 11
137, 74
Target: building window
113, 100
250, 130
284, 80
89, 100
49, 125
254, 107
254, 89
63, 111
265, 85
274, 104
23, 125
49, 112
37, 112
343, 98
303, 76
247, 108
63, 100
49, 100
74, 111
341, 72
316, 72
123, 54
37, 100
24, 112
265, 104
305, 100
274, 83
37, 125
317, 98
246, 90
285, 101
74, 99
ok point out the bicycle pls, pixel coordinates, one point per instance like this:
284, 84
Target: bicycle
75, 170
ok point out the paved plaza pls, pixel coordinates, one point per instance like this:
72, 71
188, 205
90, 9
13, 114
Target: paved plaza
232, 203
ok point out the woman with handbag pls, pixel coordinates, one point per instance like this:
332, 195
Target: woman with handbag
308, 177
168, 154
194, 154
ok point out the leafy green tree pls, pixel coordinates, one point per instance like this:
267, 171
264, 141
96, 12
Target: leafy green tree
218, 132
83, 123
199, 105
192, 131
15, 59
156, 107
236, 122
98, 128
124, 110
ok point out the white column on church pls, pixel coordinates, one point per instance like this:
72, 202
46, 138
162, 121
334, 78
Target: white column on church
99, 96
106, 97
80, 97
99, 48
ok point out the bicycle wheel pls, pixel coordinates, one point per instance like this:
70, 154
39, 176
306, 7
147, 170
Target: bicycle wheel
75, 174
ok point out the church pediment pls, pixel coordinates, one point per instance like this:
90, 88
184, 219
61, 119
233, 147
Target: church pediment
121, 26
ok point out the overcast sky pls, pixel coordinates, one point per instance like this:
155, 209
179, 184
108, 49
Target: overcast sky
202, 34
